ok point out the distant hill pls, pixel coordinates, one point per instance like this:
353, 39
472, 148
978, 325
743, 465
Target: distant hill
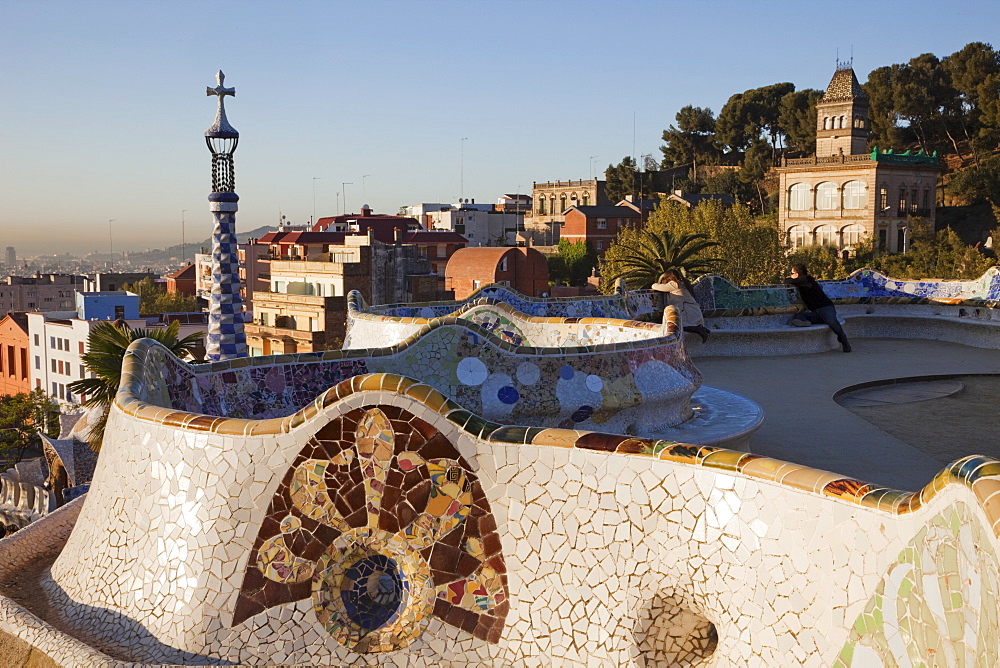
162, 254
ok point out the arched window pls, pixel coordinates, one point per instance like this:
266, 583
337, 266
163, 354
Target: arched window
798, 197
841, 121
855, 195
825, 235
562, 204
852, 235
586, 199
826, 196
541, 206
552, 207
796, 236
826, 122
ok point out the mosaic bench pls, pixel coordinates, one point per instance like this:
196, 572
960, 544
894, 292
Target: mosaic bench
765, 331
384, 523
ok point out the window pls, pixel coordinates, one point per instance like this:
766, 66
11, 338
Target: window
562, 204
263, 318
503, 264
62, 391
38, 362
52, 342
586, 199
83, 371
826, 196
55, 389
854, 195
852, 235
841, 122
81, 347
798, 197
476, 285
913, 201
65, 344
883, 200
602, 224
36, 340
600, 245
53, 365
119, 312
927, 201
825, 235
901, 210
826, 122
883, 235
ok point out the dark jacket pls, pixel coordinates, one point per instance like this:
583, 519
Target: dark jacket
810, 292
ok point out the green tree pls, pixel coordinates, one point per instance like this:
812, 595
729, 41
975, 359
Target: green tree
22, 417
797, 117
106, 345
692, 140
882, 115
970, 70
932, 254
154, 300
625, 179
573, 263
641, 259
749, 250
979, 184
750, 115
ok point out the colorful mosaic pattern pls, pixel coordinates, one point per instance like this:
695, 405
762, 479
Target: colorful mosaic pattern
626, 376
615, 548
717, 295
226, 338
597, 306
928, 609
382, 523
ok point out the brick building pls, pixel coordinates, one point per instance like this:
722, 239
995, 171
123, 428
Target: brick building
845, 193
183, 281
15, 375
523, 269
598, 225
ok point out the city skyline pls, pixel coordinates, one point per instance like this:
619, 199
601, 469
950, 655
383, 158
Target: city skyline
389, 104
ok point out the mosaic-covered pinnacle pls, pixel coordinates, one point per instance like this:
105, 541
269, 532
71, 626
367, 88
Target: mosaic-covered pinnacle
221, 127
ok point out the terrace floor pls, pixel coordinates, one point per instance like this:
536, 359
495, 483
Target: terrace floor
913, 440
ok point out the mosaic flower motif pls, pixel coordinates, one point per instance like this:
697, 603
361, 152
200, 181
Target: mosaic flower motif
382, 524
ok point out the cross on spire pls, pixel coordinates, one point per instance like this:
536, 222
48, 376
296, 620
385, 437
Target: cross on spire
221, 127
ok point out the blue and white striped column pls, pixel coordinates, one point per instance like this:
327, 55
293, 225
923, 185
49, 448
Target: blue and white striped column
226, 337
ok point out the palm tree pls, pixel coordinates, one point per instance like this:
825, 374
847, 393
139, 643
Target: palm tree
106, 345
646, 258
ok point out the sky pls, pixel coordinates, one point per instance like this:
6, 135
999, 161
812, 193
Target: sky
103, 109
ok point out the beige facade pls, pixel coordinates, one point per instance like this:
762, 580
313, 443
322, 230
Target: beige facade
843, 193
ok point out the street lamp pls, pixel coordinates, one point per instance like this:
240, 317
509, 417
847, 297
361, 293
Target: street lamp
363, 196
592, 167
461, 189
111, 240
183, 242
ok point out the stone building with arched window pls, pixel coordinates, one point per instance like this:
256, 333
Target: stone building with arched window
844, 193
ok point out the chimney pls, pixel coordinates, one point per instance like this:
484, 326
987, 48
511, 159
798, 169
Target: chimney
366, 210
630, 198
399, 235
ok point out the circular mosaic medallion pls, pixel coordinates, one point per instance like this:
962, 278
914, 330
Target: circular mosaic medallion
372, 591
471, 371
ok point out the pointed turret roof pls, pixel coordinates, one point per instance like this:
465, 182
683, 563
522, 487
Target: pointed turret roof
843, 86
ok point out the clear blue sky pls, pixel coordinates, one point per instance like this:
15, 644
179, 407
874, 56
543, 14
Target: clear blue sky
103, 105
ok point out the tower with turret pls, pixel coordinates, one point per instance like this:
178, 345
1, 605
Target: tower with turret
226, 336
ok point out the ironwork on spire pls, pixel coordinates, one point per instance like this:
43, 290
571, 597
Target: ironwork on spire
222, 139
